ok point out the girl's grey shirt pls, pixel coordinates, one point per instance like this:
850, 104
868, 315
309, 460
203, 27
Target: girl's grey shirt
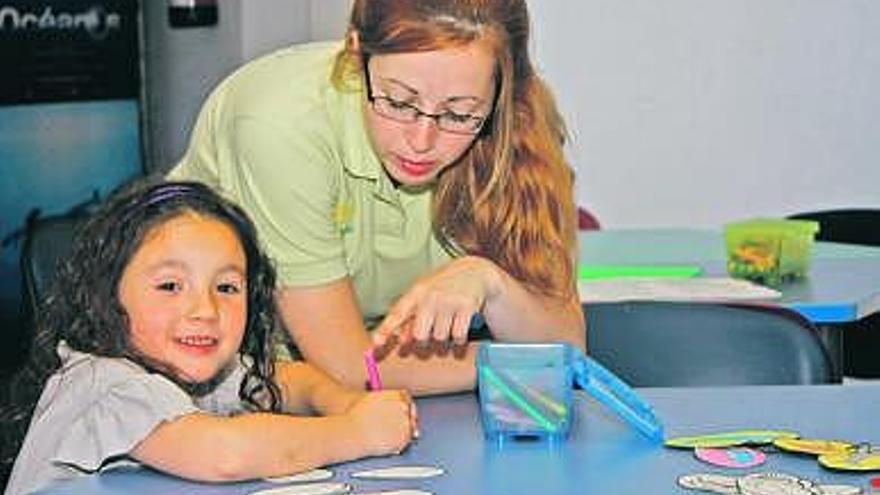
94, 410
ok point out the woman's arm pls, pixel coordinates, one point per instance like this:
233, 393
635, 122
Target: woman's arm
211, 448
517, 314
437, 307
328, 329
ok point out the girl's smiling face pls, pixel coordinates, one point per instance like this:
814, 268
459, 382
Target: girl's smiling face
185, 293
452, 83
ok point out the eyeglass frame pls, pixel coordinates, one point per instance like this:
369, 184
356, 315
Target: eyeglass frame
419, 113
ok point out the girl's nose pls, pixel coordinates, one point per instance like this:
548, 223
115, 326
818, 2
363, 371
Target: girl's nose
422, 134
204, 306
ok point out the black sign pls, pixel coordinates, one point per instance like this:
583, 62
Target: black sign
68, 50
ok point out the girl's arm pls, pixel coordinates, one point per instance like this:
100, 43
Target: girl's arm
307, 390
437, 306
329, 331
204, 447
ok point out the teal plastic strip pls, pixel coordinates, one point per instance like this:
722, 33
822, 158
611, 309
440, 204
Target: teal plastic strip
517, 399
538, 398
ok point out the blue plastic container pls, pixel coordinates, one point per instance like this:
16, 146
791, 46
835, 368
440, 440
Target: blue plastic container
525, 390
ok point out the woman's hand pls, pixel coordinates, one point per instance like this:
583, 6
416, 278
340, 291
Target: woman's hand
439, 306
329, 330
385, 420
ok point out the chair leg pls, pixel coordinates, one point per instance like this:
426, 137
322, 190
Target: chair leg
832, 338
861, 348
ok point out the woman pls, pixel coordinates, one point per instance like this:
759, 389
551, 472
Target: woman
402, 184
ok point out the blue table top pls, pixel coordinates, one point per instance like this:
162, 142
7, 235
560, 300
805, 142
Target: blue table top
602, 455
843, 283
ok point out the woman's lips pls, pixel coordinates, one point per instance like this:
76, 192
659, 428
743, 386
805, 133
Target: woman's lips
415, 168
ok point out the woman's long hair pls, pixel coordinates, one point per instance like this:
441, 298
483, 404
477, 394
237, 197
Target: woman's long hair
510, 198
83, 307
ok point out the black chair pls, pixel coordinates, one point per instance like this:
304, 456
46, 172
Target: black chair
47, 242
850, 226
861, 339
681, 344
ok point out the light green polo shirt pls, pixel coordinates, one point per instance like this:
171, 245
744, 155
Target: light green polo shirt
280, 140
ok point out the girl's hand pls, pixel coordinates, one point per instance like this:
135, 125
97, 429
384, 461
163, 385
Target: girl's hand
345, 399
439, 306
385, 420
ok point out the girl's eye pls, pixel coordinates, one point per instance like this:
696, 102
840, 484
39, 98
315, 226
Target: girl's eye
168, 286
229, 288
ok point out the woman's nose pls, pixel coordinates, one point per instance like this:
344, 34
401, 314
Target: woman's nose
422, 134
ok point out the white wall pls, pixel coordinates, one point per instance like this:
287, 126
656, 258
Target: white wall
271, 24
688, 112
685, 112
329, 18
183, 65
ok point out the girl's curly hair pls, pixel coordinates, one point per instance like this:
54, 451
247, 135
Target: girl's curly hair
83, 307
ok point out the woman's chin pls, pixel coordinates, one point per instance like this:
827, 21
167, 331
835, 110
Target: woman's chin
411, 182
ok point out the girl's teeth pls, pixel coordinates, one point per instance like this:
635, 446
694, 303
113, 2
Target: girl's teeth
198, 340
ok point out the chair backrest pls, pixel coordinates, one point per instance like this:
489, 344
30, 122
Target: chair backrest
861, 339
586, 220
48, 241
848, 225
657, 344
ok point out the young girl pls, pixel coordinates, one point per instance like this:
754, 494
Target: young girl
162, 318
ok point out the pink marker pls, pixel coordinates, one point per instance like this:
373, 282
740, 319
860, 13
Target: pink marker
374, 381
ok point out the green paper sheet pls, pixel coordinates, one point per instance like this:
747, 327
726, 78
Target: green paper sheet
592, 272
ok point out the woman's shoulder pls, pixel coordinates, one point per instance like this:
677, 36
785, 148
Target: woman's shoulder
299, 62
291, 80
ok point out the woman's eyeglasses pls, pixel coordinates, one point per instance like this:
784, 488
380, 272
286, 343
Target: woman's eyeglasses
407, 113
